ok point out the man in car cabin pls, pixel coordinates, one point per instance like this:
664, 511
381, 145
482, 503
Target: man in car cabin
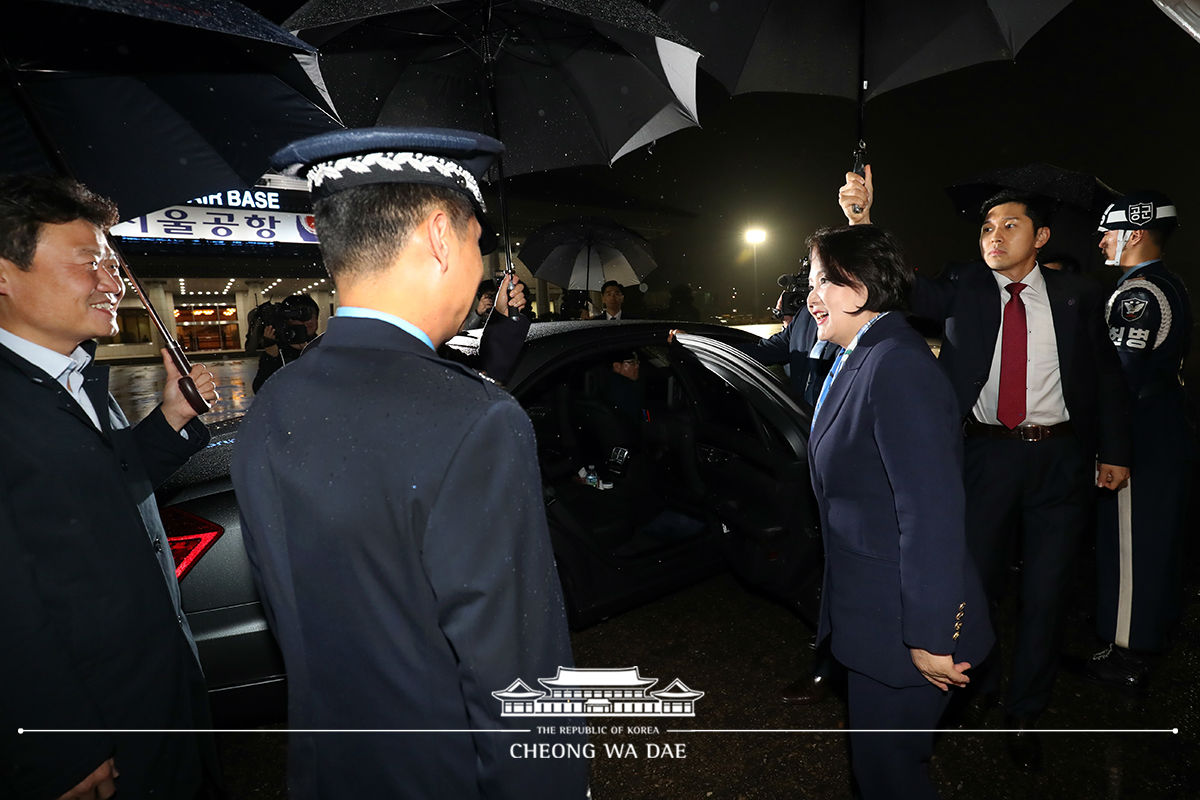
394, 517
95, 637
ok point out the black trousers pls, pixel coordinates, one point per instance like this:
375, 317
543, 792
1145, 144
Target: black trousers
893, 765
1032, 498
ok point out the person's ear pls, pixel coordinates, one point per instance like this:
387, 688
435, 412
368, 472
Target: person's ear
439, 232
1041, 237
6, 269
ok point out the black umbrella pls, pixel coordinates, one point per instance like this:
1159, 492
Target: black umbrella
1079, 190
851, 48
583, 253
560, 82
152, 103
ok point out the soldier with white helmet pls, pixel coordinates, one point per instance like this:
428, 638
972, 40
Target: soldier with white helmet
1140, 530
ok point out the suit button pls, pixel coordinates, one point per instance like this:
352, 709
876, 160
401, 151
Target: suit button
958, 626
955, 636
962, 606
959, 615
158, 545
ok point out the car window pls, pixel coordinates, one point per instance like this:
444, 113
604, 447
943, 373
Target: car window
778, 419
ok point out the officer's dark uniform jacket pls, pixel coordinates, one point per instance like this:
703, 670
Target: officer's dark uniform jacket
1150, 322
395, 525
1140, 529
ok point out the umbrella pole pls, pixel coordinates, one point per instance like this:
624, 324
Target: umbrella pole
186, 385
489, 60
860, 151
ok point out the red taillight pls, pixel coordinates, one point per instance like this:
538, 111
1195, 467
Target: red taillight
190, 537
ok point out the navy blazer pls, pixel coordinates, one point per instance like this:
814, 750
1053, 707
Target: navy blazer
967, 299
885, 455
392, 510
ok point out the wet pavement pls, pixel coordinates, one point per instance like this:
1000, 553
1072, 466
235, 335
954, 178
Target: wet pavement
740, 649
138, 387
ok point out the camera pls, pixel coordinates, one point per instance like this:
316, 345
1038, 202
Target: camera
795, 291
287, 318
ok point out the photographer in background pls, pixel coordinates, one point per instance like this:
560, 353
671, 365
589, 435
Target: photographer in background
283, 329
485, 298
795, 345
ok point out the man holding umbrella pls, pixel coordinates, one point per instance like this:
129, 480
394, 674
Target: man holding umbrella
394, 517
96, 639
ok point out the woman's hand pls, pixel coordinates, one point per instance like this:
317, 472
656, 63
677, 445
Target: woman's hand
941, 671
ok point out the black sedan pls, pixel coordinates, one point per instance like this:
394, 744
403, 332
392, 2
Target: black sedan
662, 463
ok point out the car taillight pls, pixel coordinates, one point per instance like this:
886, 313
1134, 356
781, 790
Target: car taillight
190, 537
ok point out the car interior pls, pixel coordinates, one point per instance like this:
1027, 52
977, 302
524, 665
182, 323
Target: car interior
656, 482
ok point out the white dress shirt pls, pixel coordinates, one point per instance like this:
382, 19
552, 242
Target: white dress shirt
1044, 403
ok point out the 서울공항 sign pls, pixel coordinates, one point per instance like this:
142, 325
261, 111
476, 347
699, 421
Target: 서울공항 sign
258, 215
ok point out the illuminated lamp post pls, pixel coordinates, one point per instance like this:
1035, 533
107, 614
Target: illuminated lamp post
755, 237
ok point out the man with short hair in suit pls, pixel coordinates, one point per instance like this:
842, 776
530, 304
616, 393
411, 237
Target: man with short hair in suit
613, 297
1046, 417
391, 501
95, 638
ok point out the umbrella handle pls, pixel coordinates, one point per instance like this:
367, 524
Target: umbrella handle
510, 278
860, 167
187, 386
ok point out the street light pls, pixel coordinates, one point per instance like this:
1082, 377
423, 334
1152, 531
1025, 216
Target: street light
755, 237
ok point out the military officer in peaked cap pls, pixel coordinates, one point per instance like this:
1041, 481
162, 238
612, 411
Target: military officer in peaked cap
391, 500
1140, 530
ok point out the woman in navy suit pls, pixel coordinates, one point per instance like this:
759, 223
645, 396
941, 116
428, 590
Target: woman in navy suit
902, 600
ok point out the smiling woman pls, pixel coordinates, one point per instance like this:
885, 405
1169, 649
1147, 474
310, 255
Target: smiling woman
886, 462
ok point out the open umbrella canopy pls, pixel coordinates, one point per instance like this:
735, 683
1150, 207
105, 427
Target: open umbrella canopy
816, 47
851, 48
151, 103
560, 82
586, 252
1081, 191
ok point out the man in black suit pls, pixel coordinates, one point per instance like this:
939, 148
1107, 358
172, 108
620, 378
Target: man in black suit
391, 501
1046, 415
613, 297
95, 639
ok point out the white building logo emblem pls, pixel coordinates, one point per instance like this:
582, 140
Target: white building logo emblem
619, 692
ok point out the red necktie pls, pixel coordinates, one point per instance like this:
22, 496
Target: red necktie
1010, 409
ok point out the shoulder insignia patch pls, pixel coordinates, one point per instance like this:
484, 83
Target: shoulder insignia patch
1132, 308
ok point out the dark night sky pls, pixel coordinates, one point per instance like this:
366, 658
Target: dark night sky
1108, 87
